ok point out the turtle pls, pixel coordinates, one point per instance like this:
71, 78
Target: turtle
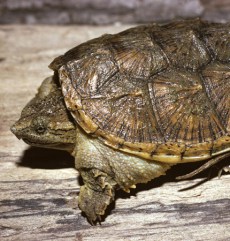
129, 106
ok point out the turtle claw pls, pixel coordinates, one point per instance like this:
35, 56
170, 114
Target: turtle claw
224, 169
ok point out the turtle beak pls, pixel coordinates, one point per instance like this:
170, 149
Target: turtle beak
15, 129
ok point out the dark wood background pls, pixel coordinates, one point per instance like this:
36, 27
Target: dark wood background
110, 11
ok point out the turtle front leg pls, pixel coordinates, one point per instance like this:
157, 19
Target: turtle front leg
104, 170
96, 193
99, 185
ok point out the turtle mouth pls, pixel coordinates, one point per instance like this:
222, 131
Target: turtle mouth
32, 143
49, 145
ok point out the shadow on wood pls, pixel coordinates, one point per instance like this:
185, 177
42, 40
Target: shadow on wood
42, 158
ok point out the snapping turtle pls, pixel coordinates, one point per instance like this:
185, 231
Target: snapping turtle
128, 106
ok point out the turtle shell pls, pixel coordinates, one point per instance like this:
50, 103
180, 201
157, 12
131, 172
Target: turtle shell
161, 92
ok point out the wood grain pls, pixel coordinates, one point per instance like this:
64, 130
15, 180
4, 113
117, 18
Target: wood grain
38, 187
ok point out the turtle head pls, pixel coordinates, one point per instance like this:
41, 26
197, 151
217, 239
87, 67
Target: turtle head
45, 121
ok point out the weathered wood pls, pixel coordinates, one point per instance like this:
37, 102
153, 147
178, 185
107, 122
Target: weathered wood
38, 187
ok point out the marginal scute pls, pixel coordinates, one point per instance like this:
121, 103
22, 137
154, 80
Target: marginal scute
221, 145
109, 139
198, 151
147, 147
170, 148
86, 122
140, 149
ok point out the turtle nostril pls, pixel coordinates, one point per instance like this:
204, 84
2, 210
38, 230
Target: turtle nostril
13, 129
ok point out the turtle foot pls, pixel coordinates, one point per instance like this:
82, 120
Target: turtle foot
96, 195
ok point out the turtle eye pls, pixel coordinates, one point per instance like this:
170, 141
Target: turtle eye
40, 129
39, 125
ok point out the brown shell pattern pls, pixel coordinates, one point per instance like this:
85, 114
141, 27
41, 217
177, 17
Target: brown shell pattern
155, 91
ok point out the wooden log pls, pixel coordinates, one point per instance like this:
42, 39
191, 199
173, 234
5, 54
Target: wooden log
39, 187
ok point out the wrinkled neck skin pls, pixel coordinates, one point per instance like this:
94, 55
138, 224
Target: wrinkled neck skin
45, 121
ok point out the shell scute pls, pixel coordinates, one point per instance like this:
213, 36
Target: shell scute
184, 48
216, 79
217, 39
137, 55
